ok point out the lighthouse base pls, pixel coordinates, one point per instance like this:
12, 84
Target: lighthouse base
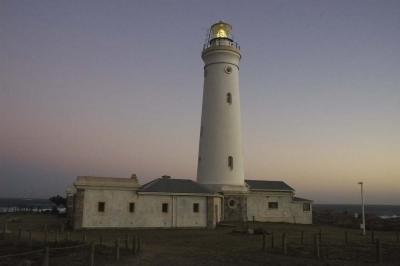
235, 207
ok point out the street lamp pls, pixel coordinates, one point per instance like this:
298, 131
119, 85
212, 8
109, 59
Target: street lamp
362, 208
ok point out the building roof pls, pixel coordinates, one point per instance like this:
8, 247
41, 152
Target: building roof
109, 182
301, 199
168, 185
268, 185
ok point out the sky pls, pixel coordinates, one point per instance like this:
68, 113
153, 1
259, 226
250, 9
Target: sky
111, 88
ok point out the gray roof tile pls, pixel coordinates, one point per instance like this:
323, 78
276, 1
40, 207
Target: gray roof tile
268, 185
169, 185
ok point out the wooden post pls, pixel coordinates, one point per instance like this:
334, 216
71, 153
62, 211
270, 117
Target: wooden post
91, 255
378, 251
139, 244
320, 235
30, 237
5, 231
84, 236
19, 233
372, 236
316, 246
302, 237
272, 240
127, 242
263, 242
134, 245
284, 244
254, 220
45, 261
346, 237
117, 249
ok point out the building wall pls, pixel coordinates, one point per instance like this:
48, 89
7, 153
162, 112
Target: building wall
288, 210
148, 210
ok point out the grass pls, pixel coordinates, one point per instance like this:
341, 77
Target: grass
222, 247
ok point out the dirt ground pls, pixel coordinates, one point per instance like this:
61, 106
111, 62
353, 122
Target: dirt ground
221, 246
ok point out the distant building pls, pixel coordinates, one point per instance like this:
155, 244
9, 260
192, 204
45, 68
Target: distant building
221, 192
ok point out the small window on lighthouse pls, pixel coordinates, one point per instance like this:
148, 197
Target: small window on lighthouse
230, 162
229, 98
228, 69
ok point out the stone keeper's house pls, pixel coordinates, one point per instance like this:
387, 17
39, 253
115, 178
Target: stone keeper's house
108, 202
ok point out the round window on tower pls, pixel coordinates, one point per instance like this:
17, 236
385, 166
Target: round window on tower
228, 69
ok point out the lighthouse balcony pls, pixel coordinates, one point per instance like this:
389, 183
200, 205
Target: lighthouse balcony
221, 42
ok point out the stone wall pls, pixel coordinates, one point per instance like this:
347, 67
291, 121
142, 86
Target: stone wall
147, 213
78, 208
235, 207
288, 211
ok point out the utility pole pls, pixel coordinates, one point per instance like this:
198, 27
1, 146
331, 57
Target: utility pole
362, 208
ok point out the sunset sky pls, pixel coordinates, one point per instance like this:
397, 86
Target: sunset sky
111, 88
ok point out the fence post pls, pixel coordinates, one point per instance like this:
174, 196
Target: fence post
320, 235
84, 236
302, 237
117, 249
134, 244
372, 236
378, 251
5, 230
91, 255
140, 244
254, 220
272, 240
127, 242
346, 237
316, 246
30, 237
284, 244
19, 233
263, 242
46, 236
45, 261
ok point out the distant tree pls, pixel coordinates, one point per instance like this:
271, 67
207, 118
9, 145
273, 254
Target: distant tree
58, 200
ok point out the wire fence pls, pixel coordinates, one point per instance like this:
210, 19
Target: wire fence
44, 248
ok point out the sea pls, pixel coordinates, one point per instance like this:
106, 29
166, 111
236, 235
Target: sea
35, 205
383, 211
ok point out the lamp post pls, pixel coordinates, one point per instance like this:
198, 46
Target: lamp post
362, 207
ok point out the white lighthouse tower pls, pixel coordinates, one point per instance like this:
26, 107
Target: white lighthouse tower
220, 161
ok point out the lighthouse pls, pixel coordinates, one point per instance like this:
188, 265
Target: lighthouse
220, 160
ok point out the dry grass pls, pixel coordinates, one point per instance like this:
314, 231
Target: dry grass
221, 246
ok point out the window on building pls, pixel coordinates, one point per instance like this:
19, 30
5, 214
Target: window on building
196, 207
229, 98
165, 207
230, 162
272, 205
132, 207
101, 206
306, 207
